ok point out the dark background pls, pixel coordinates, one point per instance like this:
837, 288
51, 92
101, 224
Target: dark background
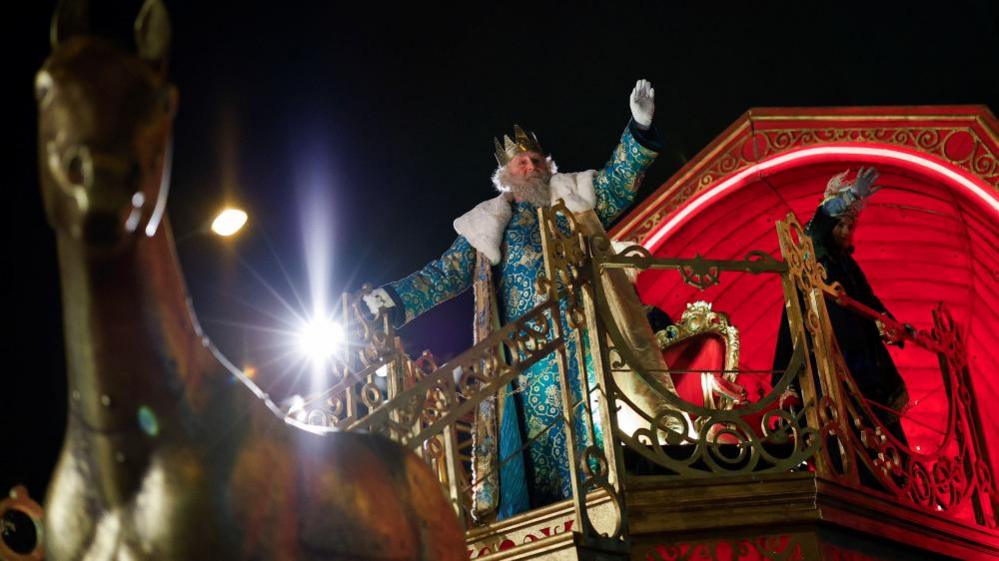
379, 120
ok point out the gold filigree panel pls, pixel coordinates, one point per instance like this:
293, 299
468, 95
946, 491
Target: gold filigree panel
757, 438
964, 142
857, 449
787, 547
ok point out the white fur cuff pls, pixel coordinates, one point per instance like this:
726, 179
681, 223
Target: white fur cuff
576, 189
377, 300
483, 226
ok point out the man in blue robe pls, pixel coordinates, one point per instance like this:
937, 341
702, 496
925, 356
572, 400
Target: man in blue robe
502, 234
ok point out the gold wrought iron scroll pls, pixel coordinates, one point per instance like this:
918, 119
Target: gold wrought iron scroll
568, 280
788, 547
373, 351
856, 441
724, 442
836, 427
434, 404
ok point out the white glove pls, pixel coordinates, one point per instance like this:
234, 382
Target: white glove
643, 104
864, 185
855, 196
378, 300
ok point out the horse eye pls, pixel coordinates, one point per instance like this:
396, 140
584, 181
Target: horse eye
77, 165
43, 87
74, 169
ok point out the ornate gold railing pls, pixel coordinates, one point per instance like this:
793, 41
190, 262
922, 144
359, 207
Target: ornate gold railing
835, 432
955, 475
723, 441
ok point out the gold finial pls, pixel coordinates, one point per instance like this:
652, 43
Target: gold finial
521, 142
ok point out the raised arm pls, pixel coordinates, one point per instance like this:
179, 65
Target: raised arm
438, 281
617, 183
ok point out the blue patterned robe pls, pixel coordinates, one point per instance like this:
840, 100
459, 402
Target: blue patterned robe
543, 476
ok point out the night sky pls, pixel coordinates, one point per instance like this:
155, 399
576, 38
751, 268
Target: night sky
379, 121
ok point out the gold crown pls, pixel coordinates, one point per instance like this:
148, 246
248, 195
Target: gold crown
522, 142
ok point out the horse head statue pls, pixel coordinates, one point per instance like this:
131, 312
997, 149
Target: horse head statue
105, 123
170, 453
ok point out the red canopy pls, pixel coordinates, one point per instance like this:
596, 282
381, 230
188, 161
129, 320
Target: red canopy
929, 236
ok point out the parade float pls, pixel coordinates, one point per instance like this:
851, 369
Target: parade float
721, 469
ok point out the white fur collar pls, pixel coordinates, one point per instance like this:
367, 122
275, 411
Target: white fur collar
576, 189
483, 226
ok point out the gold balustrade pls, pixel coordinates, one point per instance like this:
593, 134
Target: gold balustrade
834, 439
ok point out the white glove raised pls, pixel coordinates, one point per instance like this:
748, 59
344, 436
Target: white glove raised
378, 300
643, 104
864, 185
854, 196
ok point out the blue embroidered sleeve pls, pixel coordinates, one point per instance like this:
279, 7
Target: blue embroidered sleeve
438, 281
616, 184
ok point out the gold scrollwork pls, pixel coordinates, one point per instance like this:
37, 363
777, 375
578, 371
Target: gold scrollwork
565, 256
699, 273
727, 444
432, 403
724, 442
763, 548
856, 440
425, 403
769, 142
593, 464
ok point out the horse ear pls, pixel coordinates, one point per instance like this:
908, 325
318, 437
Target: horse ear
70, 18
152, 33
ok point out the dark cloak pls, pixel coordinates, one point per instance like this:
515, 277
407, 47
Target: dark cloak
859, 341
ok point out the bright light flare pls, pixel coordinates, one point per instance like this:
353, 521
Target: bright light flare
229, 221
319, 339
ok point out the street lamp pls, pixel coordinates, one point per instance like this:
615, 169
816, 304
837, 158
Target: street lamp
228, 222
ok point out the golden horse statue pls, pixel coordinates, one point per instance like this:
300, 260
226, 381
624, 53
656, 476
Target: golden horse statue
170, 453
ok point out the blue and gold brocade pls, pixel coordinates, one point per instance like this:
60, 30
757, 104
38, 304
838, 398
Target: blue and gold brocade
536, 393
438, 281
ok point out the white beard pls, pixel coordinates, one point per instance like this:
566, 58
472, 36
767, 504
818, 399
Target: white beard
534, 189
